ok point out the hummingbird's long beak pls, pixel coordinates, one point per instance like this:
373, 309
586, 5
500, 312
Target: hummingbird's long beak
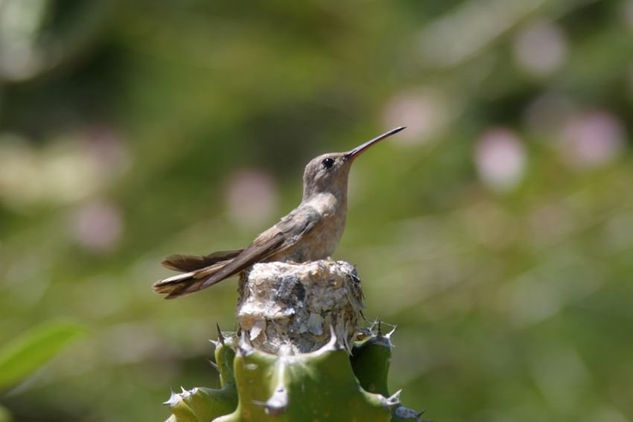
359, 149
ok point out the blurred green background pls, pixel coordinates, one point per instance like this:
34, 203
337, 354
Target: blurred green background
496, 231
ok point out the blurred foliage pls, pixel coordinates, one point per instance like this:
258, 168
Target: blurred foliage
32, 349
496, 232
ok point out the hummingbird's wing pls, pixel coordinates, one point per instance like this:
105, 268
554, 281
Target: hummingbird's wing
190, 282
283, 235
186, 263
278, 238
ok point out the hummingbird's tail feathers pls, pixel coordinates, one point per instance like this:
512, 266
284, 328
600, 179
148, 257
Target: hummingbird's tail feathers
189, 263
186, 283
173, 284
222, 268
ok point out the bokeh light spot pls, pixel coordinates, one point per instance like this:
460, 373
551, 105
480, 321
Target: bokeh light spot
540, 48
424, 113
97, 226
591, 139
500, 159
251, 197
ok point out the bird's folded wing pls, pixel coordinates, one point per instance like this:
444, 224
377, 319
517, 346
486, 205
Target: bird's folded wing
187, 263
256, 252
278, 238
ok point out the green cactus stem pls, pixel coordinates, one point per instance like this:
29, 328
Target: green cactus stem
370, 360
318, 385
206, 404
296, 357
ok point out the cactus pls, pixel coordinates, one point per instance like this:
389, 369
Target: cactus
206, 404
298, 354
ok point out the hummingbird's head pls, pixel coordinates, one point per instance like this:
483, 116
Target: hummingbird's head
329, 172
326, 173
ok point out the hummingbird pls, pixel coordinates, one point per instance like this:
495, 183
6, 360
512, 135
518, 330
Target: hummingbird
309, 232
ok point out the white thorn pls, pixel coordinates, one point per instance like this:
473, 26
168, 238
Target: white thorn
173, 399
332, 343
393, 330
245, 347
278, 402
394, 399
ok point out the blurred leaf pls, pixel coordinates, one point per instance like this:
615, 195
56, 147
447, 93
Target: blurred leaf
25, 354
5, 416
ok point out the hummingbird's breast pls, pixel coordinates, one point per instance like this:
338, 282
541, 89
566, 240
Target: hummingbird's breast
325, 237
320, 242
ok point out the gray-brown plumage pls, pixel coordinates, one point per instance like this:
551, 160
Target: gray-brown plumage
309, 232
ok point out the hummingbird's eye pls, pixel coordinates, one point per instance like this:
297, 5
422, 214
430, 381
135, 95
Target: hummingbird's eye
327, 163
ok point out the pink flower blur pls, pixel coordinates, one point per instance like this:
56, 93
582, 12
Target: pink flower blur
500, 159
424, 113
591, 139
97, 226
541, 48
